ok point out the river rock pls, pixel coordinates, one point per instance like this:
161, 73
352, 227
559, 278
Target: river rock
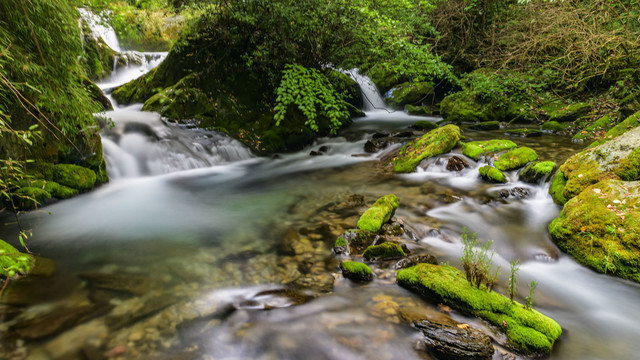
132, 284
457, 163
486, 125
537, 171
477, 149
516, 192
56, 321
379, 213
455, 341
356, 271
415, 260
615, 159
375, 145
515, 159
435, 142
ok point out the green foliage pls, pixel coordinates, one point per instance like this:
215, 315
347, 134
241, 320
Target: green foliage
477, 261
313, 94
512, 284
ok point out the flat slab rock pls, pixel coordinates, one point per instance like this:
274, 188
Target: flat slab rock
455, 341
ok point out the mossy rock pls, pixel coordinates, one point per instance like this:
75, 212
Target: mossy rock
528, 331
486, 125
408, 92
96, 94
462, 107
435, 142
589, 132
384, 251
476, 149
385, 79
524, 132
612, 160
554, 126
570, 112
340, 246
424, 125
627, 124
74, 176
356, 271
417, 110
378, 214
13, 262
630, 104
27, 198
56, 190
492, 174
537, 171
97, 58
599, 228
181, 102
515, 159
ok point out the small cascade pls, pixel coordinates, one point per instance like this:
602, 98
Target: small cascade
141, 144
136, 65
373, 101
100, 29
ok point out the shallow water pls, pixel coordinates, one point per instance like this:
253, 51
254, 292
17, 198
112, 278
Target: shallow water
198, 249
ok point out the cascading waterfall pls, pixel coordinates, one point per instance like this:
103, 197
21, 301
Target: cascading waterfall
100, 29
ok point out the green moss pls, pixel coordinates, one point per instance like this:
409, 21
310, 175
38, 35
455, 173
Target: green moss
424, 125
599, 228
492, 174
528, 331
461, 107
525, 132
557, 187
383, 251
13, 262
408, 92
74, 176
181, 101
515, 158
476, 149
536, 171
554, 126
378, 214
356, 271
590, 131
56, 190
629, 168
26, 198
417, 110
340, 241
486, 125
630, 104
435, 142
385, 79
570, 112
624, 126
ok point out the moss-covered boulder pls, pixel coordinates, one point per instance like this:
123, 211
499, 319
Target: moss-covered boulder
385, 78
417, 109
554, 126
570, 112
621, 128
515, 159
435, 142
486, 125
387, 250
408, 93
27, 198
600, 228
591, 131
181, 101
13, 262
378, 214
537, 171
524, 132
477, 149
74, 176
98, 58
615, 159
460, 107
528, 331
356, 271
96, 94
492, 174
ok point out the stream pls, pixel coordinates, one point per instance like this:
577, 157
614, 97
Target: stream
197, 249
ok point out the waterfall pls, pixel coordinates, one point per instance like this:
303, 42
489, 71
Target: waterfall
372, 99
100, 29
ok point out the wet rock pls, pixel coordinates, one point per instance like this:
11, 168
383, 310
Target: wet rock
379, 213
379, 135
138, 308
132, 284
492, 174
340, 246
403, 134
486, 125
57, 321
375, 145
414, 260
457, 163
384, 251
392, 229
348, 206
452, 342
477, 149
356, 271
537, 171
517, 192
32, 289
289, 241
435, 142
515, 159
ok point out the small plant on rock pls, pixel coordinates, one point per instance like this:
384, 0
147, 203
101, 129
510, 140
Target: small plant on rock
477, 261
531, 300
512, 285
